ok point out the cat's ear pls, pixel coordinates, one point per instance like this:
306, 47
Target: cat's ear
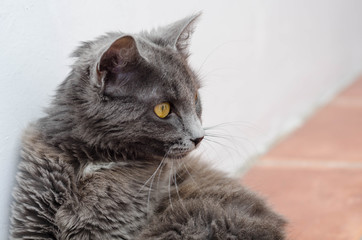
123, 51
178, 33
117, 63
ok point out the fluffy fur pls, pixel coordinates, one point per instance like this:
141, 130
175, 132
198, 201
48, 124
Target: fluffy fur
102, 165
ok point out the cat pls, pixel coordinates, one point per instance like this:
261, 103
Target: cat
110, 160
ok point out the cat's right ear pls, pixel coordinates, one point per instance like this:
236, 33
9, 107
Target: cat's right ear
178, 33
117, 64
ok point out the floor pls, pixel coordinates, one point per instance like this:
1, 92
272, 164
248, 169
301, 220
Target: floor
314, 176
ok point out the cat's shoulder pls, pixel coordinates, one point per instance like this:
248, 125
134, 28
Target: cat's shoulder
37, 153
35, 145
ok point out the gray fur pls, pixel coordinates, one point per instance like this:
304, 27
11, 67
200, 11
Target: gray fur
102, 165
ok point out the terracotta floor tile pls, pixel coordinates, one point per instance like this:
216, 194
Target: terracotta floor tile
319, 204
314, 176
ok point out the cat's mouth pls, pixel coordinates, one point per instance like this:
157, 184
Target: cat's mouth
178, 150
178, 153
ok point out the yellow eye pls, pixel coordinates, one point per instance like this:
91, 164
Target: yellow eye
162, 110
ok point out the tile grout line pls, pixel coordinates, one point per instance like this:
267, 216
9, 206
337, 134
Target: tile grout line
316, 163
347, 102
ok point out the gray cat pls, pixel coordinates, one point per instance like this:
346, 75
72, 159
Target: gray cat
110, 160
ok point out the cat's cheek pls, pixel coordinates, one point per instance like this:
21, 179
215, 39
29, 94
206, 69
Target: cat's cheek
170, 127
198, 108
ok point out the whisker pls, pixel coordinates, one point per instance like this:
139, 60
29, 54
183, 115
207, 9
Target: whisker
225, 136
235, 123
221, 131
221, 144
224, 149
159, 175
150, 188
187, 170
177, 191
232, 139
154, 173
169, 187
152, 177
160, 172
208, 147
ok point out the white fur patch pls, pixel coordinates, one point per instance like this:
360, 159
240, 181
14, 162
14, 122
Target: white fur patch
93, 167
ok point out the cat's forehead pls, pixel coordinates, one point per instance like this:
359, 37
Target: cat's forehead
171, 72
168, 85
164, 72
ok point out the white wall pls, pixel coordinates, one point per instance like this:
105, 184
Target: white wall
265, 64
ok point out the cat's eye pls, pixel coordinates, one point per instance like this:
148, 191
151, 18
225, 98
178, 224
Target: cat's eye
162, 110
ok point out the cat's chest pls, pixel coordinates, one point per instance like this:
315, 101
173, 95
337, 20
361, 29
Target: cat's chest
119, 185
119, 196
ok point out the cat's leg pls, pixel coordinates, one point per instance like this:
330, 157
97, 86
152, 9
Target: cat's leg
208, 205
41, 189
44, 205
206, 219
78, 221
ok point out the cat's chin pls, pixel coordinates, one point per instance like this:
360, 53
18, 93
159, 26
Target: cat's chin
179, 152
178, 156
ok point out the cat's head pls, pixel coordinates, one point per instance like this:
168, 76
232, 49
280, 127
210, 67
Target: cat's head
136, 93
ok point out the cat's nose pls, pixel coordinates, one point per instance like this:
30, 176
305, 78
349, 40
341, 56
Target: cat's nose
197, 140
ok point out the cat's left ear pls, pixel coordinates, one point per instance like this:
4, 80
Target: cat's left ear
178, 33
117, 65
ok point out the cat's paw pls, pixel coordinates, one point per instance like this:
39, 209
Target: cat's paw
195, 219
